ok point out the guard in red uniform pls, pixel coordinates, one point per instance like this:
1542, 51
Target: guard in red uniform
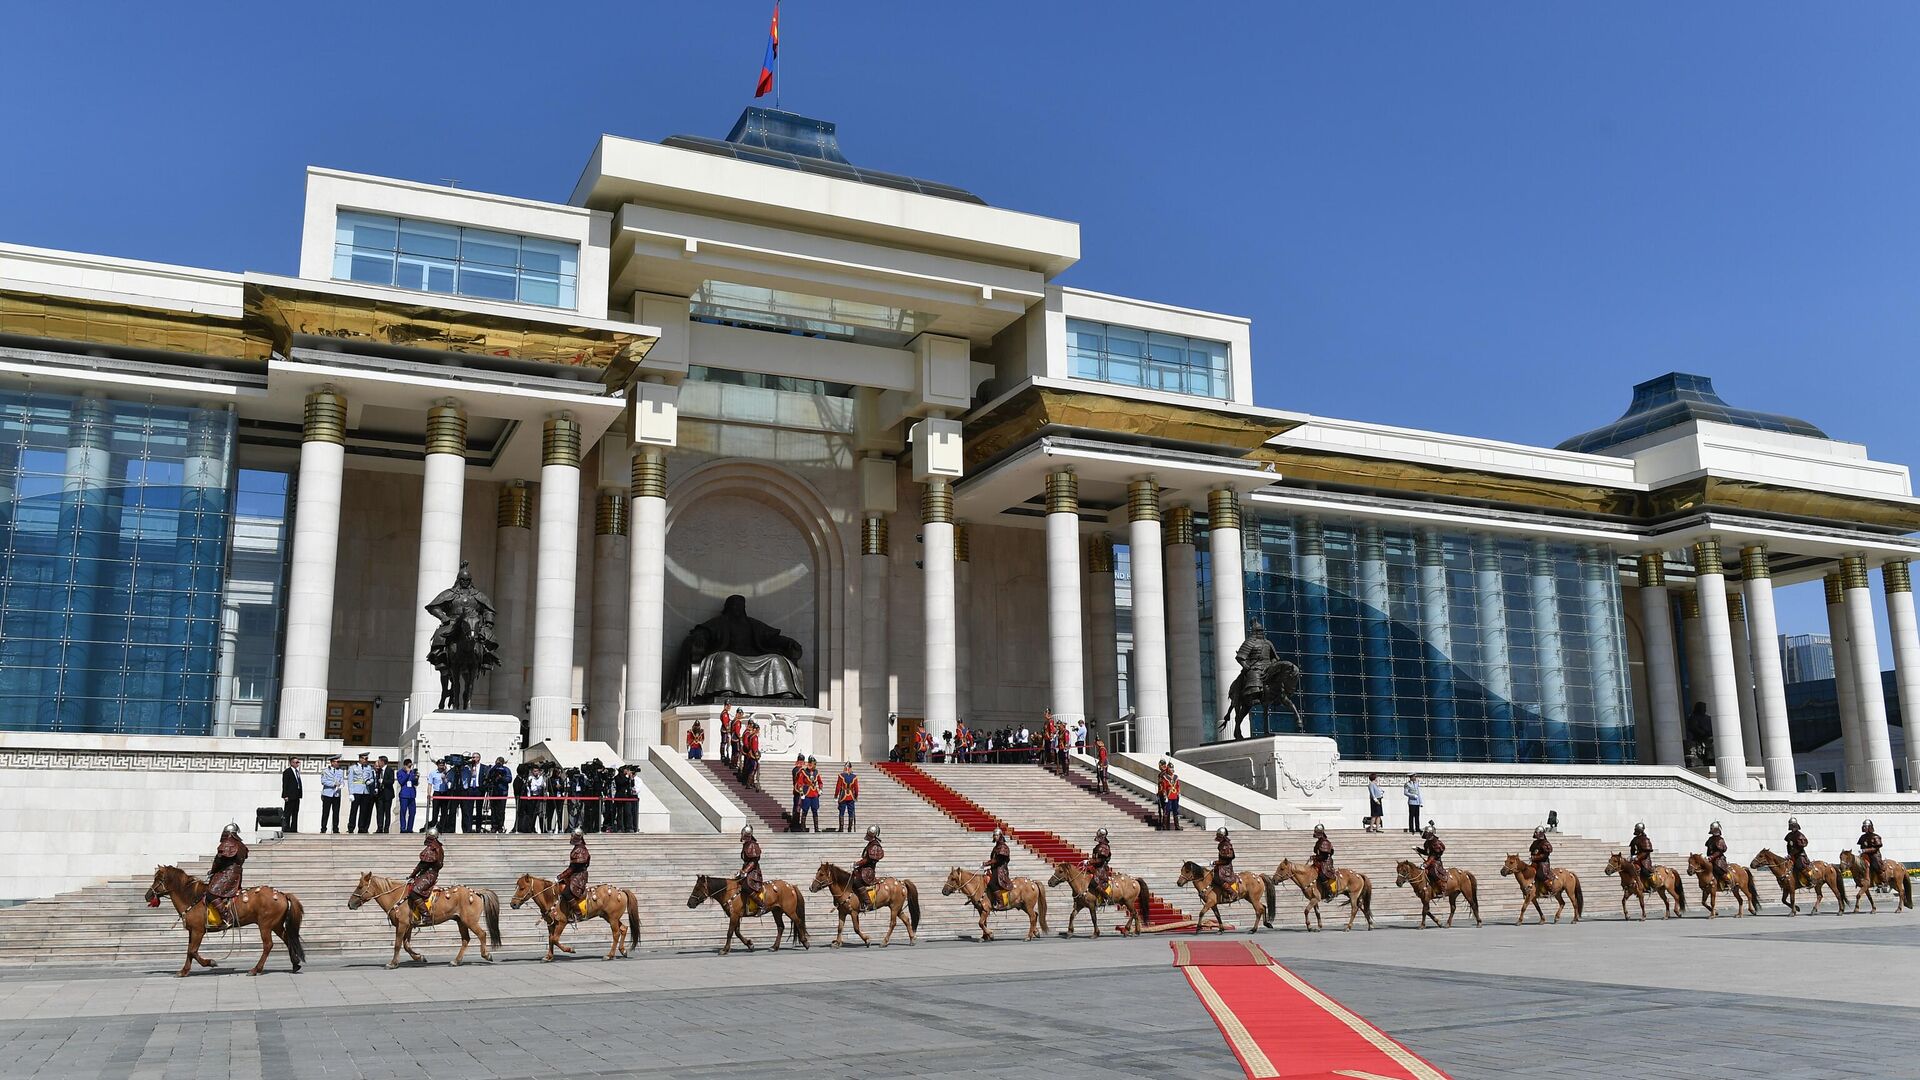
846, 795
1100, 769
1541, 852
810, 790
1642, 851
1224, 878
1173, 799
794, 819
420, 883
750, 760
223, 883
1717, 853
866, 869
1434, 850
1323, 859
752, 883
1100, 863
1797, 852
696, 741
999, 877
573, 903
1870, 851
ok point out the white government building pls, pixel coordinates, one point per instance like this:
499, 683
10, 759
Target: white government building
745, 366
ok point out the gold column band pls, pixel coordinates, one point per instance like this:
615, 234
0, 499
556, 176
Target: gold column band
649, 477
1736, 607
1309, 540
1653, 571
1753, 563
1896, 577
610, 514
1100, 554
446, 430
1853, 572
936, 502
962, 548
1223, 509
1063, 493
1370, 544
560, 443
1690, 604
1706, 557
1143, 501
326, 418
516, 506
1179, 526
1836, 593
873, 536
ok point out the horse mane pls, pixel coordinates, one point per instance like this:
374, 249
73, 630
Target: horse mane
835, 874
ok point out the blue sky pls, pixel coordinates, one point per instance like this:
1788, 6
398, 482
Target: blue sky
1489, 218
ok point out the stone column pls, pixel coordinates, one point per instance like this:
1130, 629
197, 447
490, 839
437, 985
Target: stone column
229, 664
1699, 681
875, 689
1864, 646
1743, 678
1066, 671
1376, 643
1851, 743
1897, 580
1103, 643
1187, 724
1729, 758
1150, 719
310, 568
85, 561
1663, 674
936, 537
1229, 597
1597, 578
512, 563
1543, 589
1436, 631
962, 635
646, 602
1490, 595
1316, 659
1769, 681
443, 496
550, 716
607, 664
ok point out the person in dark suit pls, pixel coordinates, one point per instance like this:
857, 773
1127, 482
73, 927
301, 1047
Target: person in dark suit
499, 783
290, 790
384, 780
522, 806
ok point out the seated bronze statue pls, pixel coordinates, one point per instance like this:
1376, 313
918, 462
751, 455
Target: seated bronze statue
734, 655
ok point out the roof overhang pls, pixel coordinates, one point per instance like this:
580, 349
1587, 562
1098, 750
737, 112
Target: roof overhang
1117, 416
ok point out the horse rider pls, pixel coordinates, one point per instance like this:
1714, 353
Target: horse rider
1433, 849
1797, 852
1099, 863
1254, 656
420, 883
1870, 852
1541, 852
574, 879
999, 877
753, 884
866, 870
1717, 853
1323, 859
1224, 879
223, 884
1641, 849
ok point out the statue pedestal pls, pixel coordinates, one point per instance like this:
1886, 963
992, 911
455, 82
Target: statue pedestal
784, 730
1300, 770
437, 734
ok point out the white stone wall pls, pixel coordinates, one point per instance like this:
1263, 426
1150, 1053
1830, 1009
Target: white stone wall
78, 809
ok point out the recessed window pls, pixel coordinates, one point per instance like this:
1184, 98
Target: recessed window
430, 256
1147, 359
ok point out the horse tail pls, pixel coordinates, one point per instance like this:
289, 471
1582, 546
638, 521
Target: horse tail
1366, 898
913, 906
1680, 893
1141, 901
1906, 890
490, 901
1579, 898
633, 914
1041, 906
1272, 900
1753, 894
1473, 894
290, 931
800, 916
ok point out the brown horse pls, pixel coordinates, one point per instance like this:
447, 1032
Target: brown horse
1890, 872
1456, 885
620, 907
1820, 877
1739, 883
1356, 885
1666, 882
1026, 895
724, 890
1124, 891
474, 911
900, 898
275, 912
1564, 887
1255, 889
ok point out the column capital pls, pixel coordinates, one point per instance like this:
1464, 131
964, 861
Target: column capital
1753, 563
1706, 557
1853, 572
1690, 604
1836, 592
516, 506
560, 441
1100, 554
610, 513
1223, 509
873, 535
649, 475
962, 547
1179, 526
1063, 492
1143, 500
1653, 570
936, 502
1896, 577
326, 417
447, 429
1736, 607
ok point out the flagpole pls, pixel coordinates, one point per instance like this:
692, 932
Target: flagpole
776, 57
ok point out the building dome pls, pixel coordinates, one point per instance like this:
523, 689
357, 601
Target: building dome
1672, 400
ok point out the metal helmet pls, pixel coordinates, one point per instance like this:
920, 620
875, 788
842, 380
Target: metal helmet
873, 831
1793, 823
433, 832
1539, 831
1867, 825
576, 835
1319, 830
232, 829
1714, 828
1100, 832
1639, 827
746, 831
999, 834
1429, 829
1221, 834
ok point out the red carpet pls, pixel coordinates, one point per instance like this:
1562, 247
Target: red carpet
971, 815
1280, 1026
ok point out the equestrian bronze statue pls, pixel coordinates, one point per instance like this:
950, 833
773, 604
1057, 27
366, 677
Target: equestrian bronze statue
1265, 680
464, 644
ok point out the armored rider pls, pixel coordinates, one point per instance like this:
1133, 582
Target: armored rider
1869, 844
866, 870
1641, 849
1541, 852
1797, 852
1717, 853
1254, 656
223, 884
1434, 850
1099, 864
573, 898
420, 883
999, 877
753, 885
1224, 879
1323, 860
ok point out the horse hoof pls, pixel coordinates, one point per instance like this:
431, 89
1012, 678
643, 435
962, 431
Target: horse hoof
393, 964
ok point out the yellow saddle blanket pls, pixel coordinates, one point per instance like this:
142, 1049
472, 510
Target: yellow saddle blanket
868, 897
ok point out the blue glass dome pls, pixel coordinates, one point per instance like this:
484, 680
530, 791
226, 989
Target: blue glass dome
1672, 400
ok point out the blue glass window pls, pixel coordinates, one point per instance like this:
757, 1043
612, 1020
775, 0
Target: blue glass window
430, 256
1147, 359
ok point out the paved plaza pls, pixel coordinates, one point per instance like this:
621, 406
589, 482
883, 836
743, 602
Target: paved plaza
1695, 999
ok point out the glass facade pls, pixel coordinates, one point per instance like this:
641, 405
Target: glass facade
112, 552
428, 256
1154, 361
1433, 646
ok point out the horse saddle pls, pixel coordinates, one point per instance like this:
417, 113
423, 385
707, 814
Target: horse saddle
869, 896
1330, 887
1002, 898
751, 904
214, 921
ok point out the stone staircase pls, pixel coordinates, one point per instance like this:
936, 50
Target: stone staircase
757, 802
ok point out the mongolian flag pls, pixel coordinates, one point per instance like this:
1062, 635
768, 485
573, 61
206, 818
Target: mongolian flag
770, 64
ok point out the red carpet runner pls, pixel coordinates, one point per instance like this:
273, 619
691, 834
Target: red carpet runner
1280, 1026
972, 816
